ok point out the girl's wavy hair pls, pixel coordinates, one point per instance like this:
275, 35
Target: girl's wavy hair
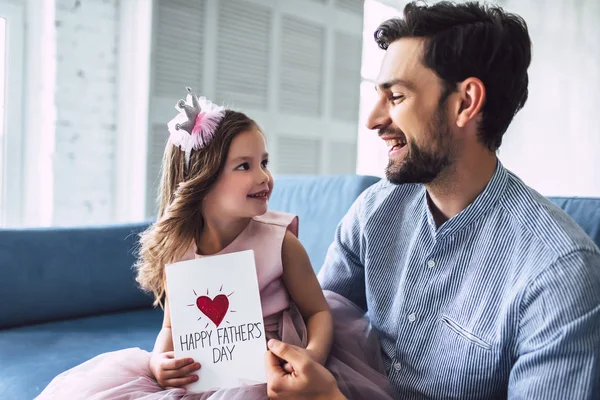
181, 192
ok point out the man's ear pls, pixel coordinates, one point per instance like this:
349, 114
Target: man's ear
472, 98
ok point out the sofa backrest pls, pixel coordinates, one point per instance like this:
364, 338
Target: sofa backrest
320, 203
60, 273
585, 211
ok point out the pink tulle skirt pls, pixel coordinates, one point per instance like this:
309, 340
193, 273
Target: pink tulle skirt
355, 361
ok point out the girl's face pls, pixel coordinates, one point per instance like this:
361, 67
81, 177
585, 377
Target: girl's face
245, 184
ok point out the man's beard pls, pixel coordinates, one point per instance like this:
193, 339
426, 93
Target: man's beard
424, 165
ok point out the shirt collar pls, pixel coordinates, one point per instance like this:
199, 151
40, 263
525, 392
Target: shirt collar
485, 201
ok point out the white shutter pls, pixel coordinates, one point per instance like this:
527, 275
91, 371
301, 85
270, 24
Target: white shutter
177, 61
298, 156
242, 79
342, 158
354, 6
292, 65
346, 97
178, 47
301, 59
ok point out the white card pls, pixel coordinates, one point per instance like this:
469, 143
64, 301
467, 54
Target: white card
216, 319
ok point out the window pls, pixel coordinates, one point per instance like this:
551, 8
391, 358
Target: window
11, 133
2, 96
372, 155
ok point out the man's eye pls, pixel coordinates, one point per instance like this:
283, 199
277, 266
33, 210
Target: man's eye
396, 98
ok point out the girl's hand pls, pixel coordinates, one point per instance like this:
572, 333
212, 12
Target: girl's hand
171, 372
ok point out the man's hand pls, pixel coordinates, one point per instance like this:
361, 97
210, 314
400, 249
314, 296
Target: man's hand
287, 367
309, 379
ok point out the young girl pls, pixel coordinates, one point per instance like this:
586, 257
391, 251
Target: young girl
213, 200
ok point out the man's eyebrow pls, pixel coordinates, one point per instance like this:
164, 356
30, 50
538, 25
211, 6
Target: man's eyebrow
386, 85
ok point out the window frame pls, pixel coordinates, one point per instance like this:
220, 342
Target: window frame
11, 201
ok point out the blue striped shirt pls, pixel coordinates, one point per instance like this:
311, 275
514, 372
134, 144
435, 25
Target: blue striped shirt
502, 300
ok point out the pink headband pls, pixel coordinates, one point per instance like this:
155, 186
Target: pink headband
195, 125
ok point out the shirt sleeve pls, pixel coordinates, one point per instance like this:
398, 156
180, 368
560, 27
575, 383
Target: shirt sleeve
558, 348
343, 271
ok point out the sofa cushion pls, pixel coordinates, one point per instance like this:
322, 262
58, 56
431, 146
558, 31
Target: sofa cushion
320, 202
58, 273
32, 356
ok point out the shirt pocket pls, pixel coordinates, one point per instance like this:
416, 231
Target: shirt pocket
470, 365
465, 334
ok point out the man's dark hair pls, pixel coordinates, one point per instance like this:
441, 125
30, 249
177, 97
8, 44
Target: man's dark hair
471, 40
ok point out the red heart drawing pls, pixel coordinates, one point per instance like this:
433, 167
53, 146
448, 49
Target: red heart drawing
215, 309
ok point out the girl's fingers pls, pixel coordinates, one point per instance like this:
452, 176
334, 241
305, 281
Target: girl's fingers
173, 388
181, 372
175, 363
178, 382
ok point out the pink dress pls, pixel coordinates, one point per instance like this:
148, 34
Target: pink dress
355, 358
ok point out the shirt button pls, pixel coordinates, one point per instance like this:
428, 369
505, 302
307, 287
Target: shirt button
412, 317
431, 263
397, 366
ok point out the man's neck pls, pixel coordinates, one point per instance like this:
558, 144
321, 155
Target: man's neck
459, 186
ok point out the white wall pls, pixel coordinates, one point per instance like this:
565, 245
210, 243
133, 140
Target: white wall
553, 142
85, 101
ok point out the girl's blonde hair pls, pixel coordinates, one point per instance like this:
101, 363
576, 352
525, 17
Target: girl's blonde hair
179, 220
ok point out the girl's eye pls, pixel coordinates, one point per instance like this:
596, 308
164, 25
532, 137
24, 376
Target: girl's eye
243, 167
265, 163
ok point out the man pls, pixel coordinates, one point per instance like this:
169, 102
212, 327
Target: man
478, 287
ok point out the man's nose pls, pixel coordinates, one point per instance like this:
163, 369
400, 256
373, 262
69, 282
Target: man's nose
379, 116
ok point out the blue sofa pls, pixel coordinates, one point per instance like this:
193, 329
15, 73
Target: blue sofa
67, 295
